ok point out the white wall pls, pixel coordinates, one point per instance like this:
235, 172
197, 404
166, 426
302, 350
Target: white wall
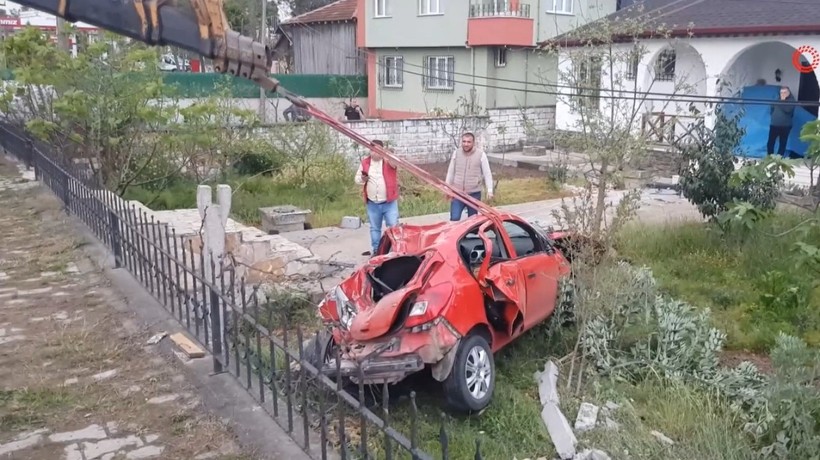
719, 56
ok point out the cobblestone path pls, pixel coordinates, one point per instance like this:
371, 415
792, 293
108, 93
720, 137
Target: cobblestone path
74, 382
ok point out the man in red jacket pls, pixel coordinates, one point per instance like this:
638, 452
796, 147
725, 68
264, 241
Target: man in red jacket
380, 189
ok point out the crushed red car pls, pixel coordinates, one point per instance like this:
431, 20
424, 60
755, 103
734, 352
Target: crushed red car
445, 296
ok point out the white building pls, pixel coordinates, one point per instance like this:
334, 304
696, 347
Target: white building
709, 48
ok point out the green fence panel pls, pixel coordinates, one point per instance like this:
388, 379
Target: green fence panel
194, 85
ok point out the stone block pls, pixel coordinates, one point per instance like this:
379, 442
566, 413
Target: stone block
586, 418
535, 150
279, 219
351, 222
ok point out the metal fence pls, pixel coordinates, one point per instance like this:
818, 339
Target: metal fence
257, 343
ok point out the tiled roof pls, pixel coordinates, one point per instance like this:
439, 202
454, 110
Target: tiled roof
718, 17
342, 10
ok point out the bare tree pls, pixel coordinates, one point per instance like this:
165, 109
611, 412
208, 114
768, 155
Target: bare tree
599, 84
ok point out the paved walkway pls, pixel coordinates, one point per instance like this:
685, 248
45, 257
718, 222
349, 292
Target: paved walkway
346, 245
75, 382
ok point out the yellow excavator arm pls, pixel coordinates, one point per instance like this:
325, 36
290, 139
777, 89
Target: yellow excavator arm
201, 26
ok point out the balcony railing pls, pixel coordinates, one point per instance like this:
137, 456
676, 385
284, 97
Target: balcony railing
491, 9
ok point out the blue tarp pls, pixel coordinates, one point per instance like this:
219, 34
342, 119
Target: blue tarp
755, 122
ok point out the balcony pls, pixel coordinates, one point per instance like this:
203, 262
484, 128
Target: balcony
500, 9
500, 23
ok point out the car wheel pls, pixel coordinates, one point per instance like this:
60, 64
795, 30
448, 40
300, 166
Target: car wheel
317, 350
470, 385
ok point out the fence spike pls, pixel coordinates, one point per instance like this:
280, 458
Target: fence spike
443, 439
478, 449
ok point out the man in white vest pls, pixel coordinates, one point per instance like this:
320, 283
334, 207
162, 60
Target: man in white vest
469, 166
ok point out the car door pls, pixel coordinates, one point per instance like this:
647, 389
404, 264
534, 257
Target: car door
502, 280
539, 266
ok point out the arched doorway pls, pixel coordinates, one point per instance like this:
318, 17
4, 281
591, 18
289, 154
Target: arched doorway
677, 70
757, 72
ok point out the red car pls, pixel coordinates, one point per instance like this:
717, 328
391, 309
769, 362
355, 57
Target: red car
445, 296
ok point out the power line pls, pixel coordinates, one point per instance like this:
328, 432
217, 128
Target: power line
584, 92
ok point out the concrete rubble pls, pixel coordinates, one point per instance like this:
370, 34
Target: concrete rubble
558, 427
586, 418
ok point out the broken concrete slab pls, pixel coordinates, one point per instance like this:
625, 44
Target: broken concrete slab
559, 430
547, 382
586, 418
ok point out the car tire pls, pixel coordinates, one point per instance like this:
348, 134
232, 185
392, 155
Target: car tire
317, 350
464, 394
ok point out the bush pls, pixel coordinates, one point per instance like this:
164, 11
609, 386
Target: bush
645, 335
709, 166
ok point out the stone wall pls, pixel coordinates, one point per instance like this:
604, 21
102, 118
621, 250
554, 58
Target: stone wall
430, 140
512, 128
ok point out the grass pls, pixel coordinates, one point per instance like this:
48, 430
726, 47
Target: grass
28, 408
332, 196
511, 427
701, 425
752, 284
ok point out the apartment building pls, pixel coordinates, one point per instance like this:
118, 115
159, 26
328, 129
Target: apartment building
428, 55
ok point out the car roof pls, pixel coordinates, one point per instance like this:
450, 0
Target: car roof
445, 231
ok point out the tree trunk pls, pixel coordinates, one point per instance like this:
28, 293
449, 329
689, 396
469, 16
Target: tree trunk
600, 201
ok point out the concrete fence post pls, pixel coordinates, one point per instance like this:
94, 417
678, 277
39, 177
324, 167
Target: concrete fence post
215, 220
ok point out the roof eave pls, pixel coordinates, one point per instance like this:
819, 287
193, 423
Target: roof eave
696, 33
320, 21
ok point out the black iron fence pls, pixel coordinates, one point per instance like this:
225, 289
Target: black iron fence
248, 335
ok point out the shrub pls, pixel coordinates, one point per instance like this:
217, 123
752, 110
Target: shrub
706, 176
646, 335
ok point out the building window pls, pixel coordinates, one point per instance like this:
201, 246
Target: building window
382, 8
632, 64
428, 7
501, 57
438, 72
561, 7
392, 72
588, 92
665, 66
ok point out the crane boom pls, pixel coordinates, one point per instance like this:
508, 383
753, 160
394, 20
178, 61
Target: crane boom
200, 26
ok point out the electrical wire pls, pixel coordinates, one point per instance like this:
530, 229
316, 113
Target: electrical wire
584, 92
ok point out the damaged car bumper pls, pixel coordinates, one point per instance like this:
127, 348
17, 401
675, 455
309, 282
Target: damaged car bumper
394, 359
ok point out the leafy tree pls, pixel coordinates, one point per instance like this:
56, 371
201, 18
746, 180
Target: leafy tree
106, 107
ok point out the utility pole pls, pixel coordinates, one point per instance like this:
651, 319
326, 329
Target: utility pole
263, 38
62, 38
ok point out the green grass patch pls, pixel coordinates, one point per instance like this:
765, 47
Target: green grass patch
31, 408
331, 197
751, 282
701, 424
510, 427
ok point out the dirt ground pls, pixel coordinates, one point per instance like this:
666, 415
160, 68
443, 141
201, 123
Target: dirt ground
499, 171
74, 382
